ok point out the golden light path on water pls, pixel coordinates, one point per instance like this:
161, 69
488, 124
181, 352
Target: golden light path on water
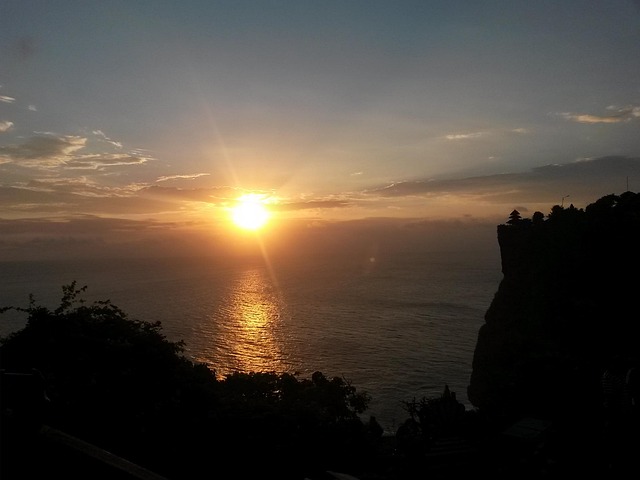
251, 324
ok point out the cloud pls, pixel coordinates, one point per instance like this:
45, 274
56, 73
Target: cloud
618, 115
87, 193
101, 135
57, 192
585, 180
5, 126
583, 118
465, 136
5, 99
48, 151
476, 135
103, 160
70, 196
180, 177
43, 150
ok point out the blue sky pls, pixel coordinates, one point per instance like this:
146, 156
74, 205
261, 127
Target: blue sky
163, 112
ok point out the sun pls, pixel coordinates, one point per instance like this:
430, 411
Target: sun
250, 212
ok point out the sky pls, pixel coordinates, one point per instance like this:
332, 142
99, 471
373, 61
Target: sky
139, 123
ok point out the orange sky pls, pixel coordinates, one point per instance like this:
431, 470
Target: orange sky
136, 123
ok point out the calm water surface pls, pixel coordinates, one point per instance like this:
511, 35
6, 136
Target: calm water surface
399, 327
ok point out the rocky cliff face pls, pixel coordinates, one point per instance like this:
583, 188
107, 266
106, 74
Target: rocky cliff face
568, 301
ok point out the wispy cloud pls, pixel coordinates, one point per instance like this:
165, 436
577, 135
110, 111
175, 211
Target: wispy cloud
486, 133
69, 196
102, 161
48, 151
43, 150
181, 177
67, 186
5, 99
100, 134
465, 136
5, 126
617, 115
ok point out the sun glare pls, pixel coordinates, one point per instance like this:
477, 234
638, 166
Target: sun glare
250, 212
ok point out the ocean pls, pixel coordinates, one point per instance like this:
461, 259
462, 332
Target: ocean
398, 327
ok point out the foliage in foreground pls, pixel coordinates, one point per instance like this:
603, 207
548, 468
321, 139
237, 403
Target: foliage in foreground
120, 384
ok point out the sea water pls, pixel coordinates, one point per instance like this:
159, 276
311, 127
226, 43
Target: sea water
398, 327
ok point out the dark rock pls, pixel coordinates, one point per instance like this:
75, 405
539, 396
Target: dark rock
567, 303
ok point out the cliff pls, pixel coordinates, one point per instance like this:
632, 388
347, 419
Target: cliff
567, 303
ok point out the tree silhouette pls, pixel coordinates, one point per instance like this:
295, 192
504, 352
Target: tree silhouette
120, 384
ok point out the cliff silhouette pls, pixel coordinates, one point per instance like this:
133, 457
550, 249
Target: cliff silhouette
567, 305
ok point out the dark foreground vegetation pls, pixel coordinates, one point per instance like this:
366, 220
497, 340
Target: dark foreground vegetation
121, 385
86, 374
91, 372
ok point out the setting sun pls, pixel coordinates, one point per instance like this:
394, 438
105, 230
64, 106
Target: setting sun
250, 212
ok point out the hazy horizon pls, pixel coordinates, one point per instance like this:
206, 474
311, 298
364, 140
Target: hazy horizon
93, 238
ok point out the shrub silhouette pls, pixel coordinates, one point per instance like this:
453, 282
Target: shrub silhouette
120, 384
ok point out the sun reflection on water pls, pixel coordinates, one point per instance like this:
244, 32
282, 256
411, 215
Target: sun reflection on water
254, 321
